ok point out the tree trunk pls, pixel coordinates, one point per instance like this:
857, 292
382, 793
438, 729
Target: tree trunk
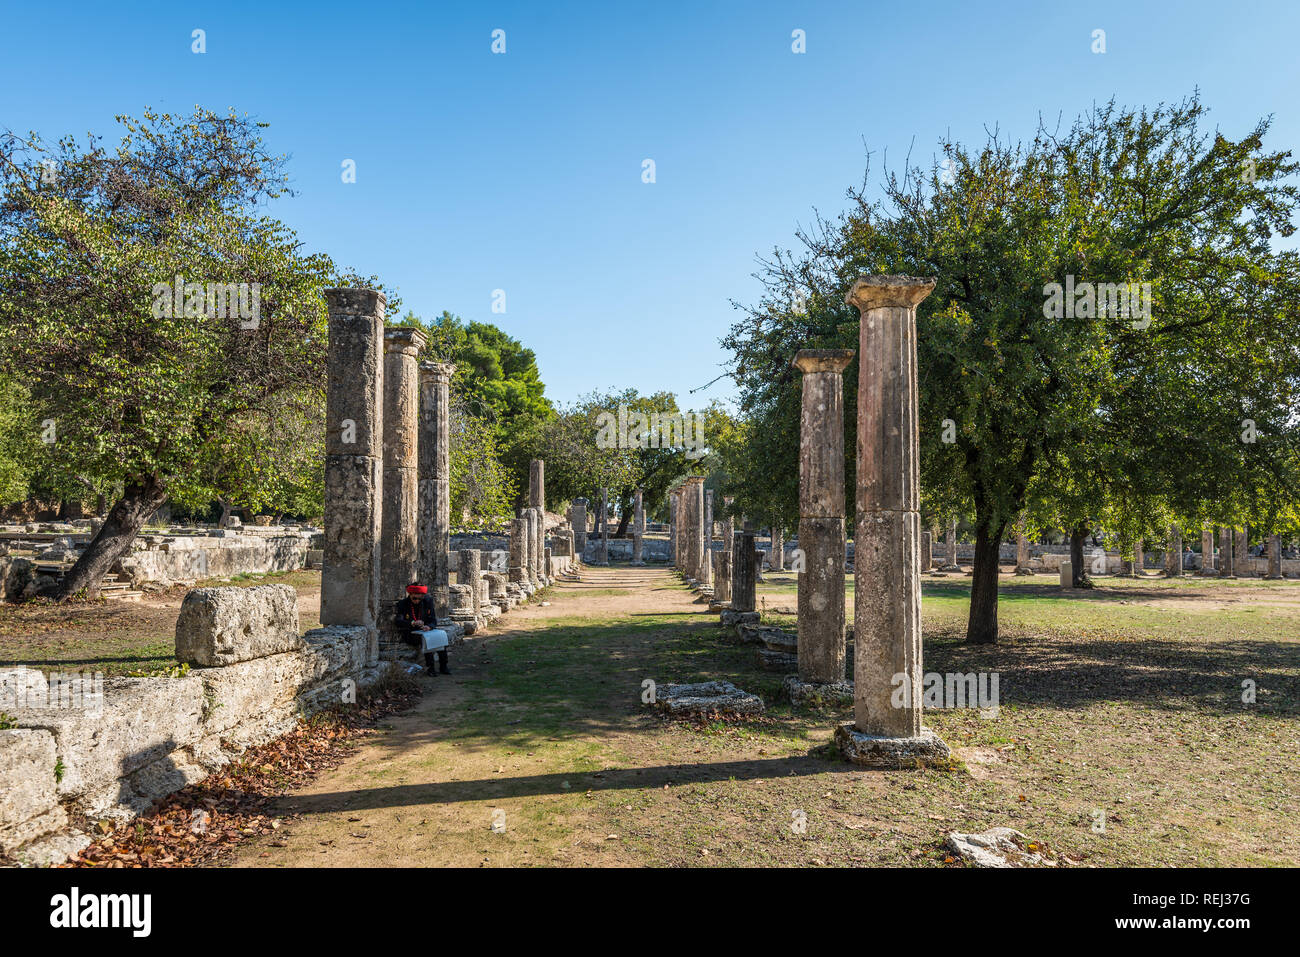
1077, 573
624, 516
224, 521
982, 626
140, 500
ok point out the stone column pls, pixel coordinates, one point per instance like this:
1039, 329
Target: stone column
435, 480
927, 552
638, 527
706, 536
953, 564
722, 584
537, 500
469, 571
604, 526
743, 572
1207, 550
887, 584
399, 543
518, 571
1241, 549
354, 460
532, 559
694, 527
1174, 554
778, 548
1274, 556
1227, 567
579, 511
821, 647
1022, 548
672, 530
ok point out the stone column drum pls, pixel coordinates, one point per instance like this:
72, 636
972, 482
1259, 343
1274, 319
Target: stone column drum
354, 456
579, 510
1174, 553
887, 593
1207, 550
1274, 557
821, 647
435, 480
778, 548
399, 543
927, 551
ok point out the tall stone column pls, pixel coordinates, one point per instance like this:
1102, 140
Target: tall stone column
638, 527
778, 548
1022, 548
723, 579
673, 504
887, 592
693, 527
1139, 559
1207, 550
579, 511
821, 647
1227, 566
399, 543
532, 559
1274, 557
953, 564
927, 552
744, 572
354, 461
604, 526
537, 500
706, 536
1241, 549
1174, 553
435, 480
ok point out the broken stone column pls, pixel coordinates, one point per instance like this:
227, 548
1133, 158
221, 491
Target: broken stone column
1274, 557
1207, 551
723, 578
1139, 559
887, 731
821, 648
518, 571
399, 543
354, 458
469, 571
603, 557
435, 480
638, 527
672, 529
744, 572
1174, 553
778, 549
1241, 550
927, 552
529, 516
693, 526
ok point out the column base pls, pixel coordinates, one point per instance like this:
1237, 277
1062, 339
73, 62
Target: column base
816, 694
874, 751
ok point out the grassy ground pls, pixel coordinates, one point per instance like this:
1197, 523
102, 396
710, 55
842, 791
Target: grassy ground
1121, 739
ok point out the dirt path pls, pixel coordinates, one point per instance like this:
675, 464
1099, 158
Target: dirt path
429, 790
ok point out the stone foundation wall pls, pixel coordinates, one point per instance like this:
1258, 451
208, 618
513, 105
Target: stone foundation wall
189, 558
109, 748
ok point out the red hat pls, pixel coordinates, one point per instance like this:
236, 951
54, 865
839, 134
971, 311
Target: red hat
417, 589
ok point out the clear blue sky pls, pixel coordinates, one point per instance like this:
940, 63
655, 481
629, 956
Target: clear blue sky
522, 171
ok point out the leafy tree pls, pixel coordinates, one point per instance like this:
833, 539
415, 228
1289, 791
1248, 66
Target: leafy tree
90, 244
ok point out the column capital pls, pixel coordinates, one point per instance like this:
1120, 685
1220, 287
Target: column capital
436, 371
822, 360
889, 292
406, 340
692, 479
356, 302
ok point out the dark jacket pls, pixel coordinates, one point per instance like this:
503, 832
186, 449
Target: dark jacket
415, 608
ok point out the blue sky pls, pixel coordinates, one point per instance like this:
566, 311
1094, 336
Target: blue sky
522, 172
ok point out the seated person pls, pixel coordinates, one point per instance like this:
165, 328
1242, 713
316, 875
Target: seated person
415, 623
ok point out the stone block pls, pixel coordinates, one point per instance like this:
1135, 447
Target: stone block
29, 805
225, 626
138, 721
